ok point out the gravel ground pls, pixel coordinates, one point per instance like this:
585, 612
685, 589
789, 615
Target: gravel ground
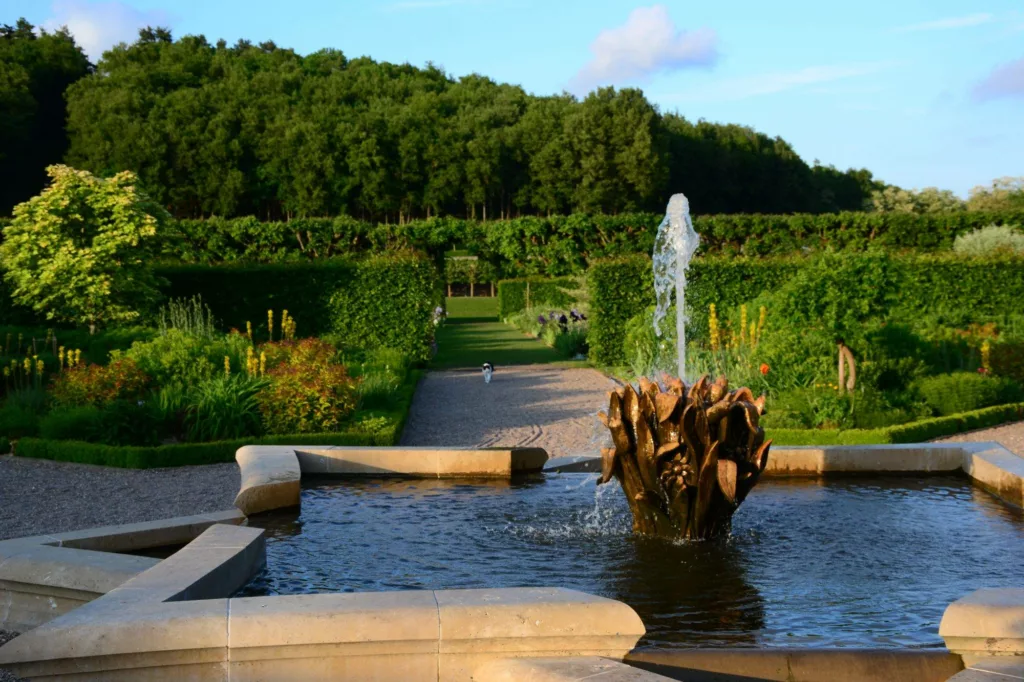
4, 675
533, 405
39, 496
1010, 436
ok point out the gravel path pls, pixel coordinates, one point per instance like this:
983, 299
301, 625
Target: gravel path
40, 496
6, 676
1010, 436
532, 405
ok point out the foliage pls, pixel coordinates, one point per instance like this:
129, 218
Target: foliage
914, 432
928, 200
324, 134
224, 408
189, 316
5, 445
309, 391
468, 270
1007, 359
991, 240
129, 422
185, 359
71, 423
79, 251
100, 385
35, 70
18, 421
1005, 194
949, 394
516, 295
388, 303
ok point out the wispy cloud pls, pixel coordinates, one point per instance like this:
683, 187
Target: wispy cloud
647, 43
98, 26
1006, 80
780, 81
948, 23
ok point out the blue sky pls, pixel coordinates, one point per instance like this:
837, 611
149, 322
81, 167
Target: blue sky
923, 93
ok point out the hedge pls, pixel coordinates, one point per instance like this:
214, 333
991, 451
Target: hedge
128, 457
564, 245
512, 294
955, 290
375, 302
914, 432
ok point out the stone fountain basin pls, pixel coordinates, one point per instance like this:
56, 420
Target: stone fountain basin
139, 618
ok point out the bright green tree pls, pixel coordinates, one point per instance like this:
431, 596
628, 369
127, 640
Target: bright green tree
80, 251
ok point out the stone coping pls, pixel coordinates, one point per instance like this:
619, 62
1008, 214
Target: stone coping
993, 669
988, 622
45, 576
990, 465
565, 669
799, 664
271, 474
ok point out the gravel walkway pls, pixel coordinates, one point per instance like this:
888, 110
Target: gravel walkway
40, 496
1010, 436
532, 405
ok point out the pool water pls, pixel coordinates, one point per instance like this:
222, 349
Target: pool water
844, 562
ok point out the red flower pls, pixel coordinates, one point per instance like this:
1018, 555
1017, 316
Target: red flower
765, 368
982, 370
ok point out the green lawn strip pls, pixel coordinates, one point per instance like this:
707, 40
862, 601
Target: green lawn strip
189, 454
473, 335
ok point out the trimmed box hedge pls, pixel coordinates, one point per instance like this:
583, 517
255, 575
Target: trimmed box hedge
914, 432
516, 295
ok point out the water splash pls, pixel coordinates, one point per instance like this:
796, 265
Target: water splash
674, 247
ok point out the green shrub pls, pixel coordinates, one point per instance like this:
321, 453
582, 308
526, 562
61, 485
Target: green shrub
72, 423
177, 357
1007, 359
100, 385
378, 390
130, 422
573, 342
5, 445
309, 391
990, 240
950, 394
224, 408
17, 421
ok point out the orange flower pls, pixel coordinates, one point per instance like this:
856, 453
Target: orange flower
765, 368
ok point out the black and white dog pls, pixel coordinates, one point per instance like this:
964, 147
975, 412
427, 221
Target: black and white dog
488, 372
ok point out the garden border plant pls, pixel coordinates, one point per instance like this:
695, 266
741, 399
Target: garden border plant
190, 454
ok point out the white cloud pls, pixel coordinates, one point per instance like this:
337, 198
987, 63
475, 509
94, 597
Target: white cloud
771, 83
949, 23
1006, 80
647, 43
98, 26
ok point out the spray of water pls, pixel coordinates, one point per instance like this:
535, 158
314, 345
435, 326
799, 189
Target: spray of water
674, 247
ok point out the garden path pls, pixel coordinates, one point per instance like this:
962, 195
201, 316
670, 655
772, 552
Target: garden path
473, 335
1010, 436
538, 406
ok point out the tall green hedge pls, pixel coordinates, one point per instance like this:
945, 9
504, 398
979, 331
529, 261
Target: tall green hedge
564, 245
375, 302
954, 290
512, 294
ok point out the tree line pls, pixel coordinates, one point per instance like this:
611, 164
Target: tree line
259, 130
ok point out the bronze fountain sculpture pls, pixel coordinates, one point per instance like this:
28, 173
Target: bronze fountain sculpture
686, 458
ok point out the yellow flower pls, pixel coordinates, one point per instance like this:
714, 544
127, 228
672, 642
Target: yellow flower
713, 328
762, 318
7, 371
270, 324
743, 323
39, 367
263, 363
28, 365
227, 366
986, 355
248, 330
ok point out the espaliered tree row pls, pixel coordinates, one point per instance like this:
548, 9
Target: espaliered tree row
248, 129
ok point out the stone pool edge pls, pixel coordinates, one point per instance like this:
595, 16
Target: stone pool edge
175, 617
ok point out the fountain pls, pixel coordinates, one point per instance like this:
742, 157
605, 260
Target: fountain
685, 458
674, 247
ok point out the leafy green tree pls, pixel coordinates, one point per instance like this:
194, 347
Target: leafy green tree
1005, 194
79, 252
35, 70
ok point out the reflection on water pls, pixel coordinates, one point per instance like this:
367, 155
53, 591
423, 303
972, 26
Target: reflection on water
841, 562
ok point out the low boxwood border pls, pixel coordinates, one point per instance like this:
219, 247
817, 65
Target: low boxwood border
219, 452
914, 432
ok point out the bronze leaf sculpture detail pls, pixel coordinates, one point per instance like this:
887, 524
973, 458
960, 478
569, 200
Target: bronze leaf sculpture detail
685, 457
